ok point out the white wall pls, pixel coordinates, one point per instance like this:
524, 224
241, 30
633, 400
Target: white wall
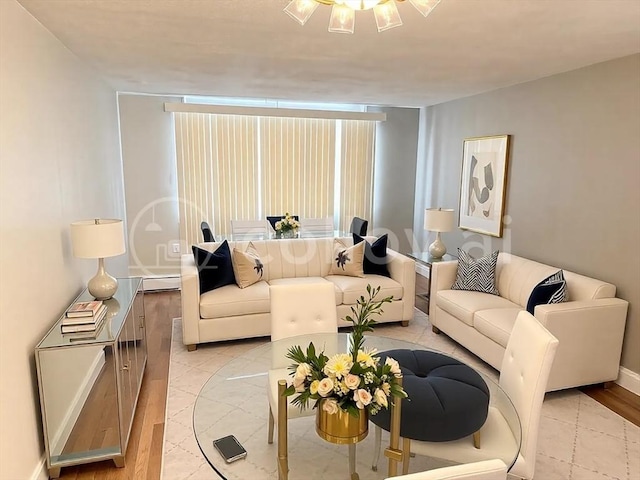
573, 184
59, 162
149, 158
394, 176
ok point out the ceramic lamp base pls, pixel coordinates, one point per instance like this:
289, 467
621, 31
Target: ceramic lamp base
437, 249
103, 286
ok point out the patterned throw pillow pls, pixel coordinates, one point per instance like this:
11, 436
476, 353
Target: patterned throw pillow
347, 260
247, 266
214, 268
552, 289
477, 275
375, 255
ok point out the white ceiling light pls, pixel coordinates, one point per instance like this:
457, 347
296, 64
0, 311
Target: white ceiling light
343, 12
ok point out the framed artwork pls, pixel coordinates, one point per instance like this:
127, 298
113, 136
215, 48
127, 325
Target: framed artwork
483, 184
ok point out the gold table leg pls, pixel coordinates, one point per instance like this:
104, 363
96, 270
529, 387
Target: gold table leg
283, 459
393, 452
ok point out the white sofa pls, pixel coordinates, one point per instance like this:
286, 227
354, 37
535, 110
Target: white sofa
589, 325
229, 312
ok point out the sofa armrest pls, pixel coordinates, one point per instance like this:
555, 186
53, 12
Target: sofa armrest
443, 274
591, 333
190, 299
403, 270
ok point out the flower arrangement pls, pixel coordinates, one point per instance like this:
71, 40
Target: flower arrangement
352, 381
287, 224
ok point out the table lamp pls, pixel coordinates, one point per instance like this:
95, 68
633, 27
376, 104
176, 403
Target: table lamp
99, 238
438, 220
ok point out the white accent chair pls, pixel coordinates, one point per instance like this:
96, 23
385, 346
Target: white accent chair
249, 229
296, 309
523, 377
486, 470
317, 226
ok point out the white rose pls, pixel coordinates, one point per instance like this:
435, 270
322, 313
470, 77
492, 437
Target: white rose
362, 398
325, 387
303, 370
395, 367
352, 381
330, 405
381, 397
298, 383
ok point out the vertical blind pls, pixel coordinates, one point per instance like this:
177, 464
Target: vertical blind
298, 161
247, 167
356, 171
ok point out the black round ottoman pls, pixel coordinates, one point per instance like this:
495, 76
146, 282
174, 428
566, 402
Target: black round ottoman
447, 400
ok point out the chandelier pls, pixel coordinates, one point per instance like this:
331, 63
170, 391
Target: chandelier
343, 12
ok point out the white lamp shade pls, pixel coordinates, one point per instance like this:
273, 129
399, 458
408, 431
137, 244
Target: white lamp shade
99, 238
342, 19
387, 16
301, 10
438, 219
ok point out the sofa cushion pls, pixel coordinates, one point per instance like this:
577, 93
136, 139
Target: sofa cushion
232, 300
347, 260
552, 289
375, 255
354, 287
496, 323
463, 304
215, 269
299, 280
247, 266
476, 274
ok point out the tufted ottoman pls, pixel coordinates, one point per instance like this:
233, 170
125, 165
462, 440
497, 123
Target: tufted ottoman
448, 400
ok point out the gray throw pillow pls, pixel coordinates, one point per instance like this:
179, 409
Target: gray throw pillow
477, 275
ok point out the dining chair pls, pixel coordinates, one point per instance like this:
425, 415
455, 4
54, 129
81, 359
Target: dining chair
494, 469
523, 377
317, 226
296, 309
276, 218
359, 226
248, 229
206, 232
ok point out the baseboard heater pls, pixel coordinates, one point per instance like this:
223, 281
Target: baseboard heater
155, 283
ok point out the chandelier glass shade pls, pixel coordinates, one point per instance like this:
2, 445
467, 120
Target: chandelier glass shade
343, 16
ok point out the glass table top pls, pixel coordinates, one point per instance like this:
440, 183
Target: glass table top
234, 402
425, 257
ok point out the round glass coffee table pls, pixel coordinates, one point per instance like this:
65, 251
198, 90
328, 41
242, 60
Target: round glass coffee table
234, 402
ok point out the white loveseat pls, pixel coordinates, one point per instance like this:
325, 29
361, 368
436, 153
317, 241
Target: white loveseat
229, 312
589, 325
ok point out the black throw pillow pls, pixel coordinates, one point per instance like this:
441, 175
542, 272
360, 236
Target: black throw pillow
215, 269
552, 289
375, 255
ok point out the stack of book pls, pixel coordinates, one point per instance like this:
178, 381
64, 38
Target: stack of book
84, 317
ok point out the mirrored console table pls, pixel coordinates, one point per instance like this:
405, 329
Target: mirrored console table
89, 383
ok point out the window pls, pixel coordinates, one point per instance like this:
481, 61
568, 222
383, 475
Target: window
247, 167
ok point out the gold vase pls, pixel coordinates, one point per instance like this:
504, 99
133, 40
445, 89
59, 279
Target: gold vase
340, 427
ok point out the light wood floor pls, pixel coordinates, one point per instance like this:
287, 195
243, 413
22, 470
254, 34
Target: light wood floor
144, 454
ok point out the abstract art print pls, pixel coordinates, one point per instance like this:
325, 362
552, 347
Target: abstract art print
483, 184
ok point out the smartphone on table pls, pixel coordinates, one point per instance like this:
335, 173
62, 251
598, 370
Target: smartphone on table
230, 448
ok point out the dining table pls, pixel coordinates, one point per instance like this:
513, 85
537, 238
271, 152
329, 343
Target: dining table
272, 235
234, 401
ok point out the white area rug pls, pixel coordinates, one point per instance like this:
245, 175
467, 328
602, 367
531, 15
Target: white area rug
579, 438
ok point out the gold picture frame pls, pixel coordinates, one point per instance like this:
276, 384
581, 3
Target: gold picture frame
483, 184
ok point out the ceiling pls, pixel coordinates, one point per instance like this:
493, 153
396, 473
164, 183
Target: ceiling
251, 48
